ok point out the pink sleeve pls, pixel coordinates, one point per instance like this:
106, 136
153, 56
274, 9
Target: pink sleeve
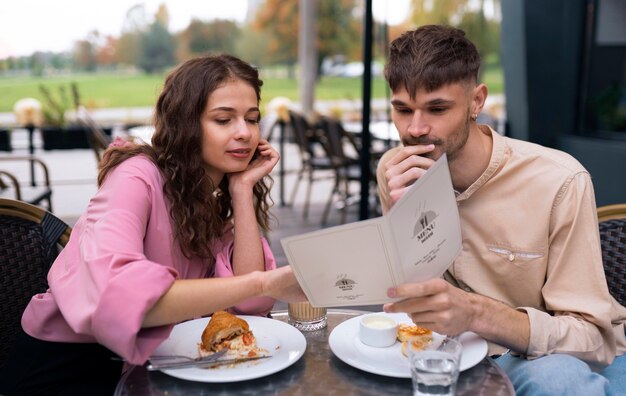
105, 285
260, 306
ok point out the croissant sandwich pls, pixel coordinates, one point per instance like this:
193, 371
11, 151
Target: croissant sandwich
225, 330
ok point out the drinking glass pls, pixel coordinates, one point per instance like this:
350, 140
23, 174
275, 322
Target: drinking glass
435, 367
304, 317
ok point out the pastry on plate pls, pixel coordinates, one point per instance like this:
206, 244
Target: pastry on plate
414, 337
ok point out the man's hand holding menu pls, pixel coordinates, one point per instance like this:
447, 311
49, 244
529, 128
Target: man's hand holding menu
355, 264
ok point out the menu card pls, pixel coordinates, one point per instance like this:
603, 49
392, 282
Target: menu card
354, 264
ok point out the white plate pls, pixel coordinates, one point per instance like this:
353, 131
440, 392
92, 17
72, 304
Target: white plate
345, 344
284, 342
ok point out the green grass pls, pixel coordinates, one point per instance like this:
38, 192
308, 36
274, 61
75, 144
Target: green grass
105, 90
96, 90
493, 79
328, 88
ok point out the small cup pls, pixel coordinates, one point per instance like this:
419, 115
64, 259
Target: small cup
378, 330
304, 317
435, 368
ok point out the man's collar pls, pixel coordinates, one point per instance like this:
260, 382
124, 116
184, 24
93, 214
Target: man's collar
497, 155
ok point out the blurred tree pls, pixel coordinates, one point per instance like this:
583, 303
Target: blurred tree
162, 15
85, 52
15, 64
61, 60
106, 53
136, 19
440, 12
127, 48
468, 15
279, 19
338, 29
252, 46
22, 63
38, 62
202, 37
12, 64
85, 56
483, 32
7, 64
157, 47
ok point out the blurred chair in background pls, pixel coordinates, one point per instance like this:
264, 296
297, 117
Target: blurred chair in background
316, 163
30, 240
344, 149
98, 140
347, 167
36, 191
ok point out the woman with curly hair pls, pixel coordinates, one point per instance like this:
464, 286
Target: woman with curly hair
172, 234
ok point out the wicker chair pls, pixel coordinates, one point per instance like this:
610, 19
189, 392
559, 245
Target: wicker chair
30, 239
612, 221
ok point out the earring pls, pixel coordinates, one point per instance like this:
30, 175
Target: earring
474, 117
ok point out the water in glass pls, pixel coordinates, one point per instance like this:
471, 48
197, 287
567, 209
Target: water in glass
435, 368
434, 373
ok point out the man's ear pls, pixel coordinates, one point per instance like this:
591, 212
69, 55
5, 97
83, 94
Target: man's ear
479, 95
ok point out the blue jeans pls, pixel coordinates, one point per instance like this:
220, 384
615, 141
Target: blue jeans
563, 375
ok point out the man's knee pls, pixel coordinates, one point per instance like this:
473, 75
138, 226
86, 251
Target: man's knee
553, 375
616, 374
552, 367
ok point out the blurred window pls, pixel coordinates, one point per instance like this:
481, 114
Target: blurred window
603, 93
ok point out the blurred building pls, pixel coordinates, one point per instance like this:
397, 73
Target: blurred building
565, 82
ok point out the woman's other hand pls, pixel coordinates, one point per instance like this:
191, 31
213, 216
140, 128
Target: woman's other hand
281, 284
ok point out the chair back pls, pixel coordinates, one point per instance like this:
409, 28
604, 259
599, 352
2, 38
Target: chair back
36, 191
98, 140
30, 240
336, 140
302, 134
612, 223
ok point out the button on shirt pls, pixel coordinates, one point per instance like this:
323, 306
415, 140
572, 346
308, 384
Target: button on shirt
531, 240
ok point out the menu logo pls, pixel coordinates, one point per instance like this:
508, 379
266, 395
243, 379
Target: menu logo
425, 225
344, 283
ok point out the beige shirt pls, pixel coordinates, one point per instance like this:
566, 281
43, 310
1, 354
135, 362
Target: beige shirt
531, 240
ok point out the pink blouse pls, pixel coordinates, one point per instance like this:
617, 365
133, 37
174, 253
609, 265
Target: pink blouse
119, 261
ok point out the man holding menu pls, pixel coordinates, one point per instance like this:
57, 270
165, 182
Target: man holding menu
529, 278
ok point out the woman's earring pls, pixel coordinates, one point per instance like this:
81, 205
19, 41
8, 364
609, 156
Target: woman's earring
474, 117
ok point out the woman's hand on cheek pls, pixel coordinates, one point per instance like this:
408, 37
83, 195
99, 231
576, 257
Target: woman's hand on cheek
266, 159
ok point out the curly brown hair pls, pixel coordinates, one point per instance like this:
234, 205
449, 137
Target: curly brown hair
199, 210
430, 57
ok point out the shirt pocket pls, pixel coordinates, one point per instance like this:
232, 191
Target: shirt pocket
517, 256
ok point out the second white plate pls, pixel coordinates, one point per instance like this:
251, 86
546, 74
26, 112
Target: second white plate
345, 344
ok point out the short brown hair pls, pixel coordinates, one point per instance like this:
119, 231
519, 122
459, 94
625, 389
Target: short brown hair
431, 57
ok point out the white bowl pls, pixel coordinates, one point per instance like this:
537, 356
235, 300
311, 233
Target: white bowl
378, 330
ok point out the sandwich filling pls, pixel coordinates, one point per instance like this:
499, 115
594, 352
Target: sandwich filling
227, 331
